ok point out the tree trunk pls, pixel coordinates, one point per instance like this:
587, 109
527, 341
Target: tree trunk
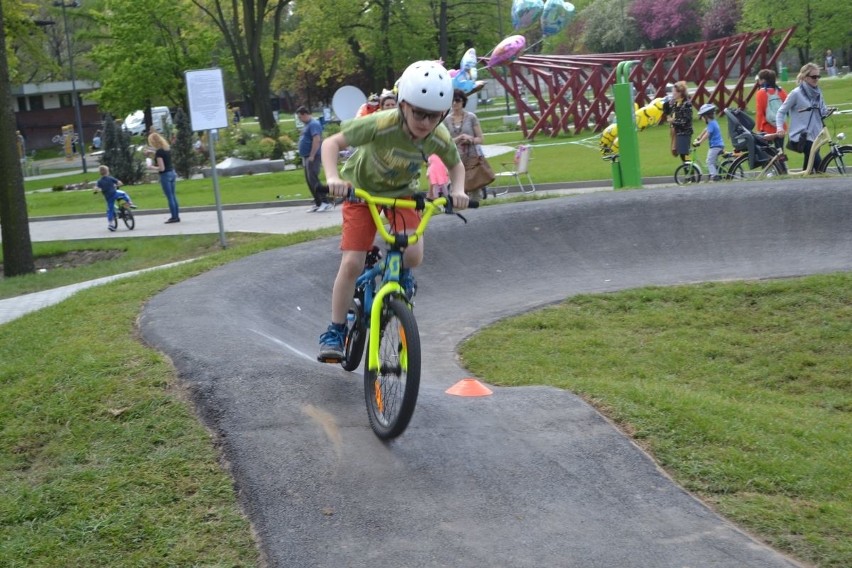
443, 40
262, 104
17, 247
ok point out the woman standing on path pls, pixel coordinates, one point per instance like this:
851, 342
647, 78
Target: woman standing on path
163, 164
679, 110
464, 129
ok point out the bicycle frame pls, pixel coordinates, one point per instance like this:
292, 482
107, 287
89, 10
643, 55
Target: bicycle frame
823, 138
391, 266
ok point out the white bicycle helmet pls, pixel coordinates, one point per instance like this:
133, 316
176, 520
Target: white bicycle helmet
705, 108
426, 85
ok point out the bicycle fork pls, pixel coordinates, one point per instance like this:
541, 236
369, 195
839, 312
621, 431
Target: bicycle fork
392, 267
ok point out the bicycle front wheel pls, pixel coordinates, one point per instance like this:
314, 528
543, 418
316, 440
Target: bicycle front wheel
839, 164
687, 173
128, 219
391, 390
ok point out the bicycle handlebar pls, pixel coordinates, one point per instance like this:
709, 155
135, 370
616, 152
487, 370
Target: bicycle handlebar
831, 110
419, 202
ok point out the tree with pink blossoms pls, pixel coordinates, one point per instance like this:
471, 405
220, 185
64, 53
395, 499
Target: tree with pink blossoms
721, 19
662, 21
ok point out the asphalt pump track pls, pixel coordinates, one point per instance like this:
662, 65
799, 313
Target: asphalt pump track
525, 477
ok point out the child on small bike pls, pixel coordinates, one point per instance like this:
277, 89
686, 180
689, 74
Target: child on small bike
714, 134
392, 146
108, 186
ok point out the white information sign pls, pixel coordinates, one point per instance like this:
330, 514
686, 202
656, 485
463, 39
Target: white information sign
208, 109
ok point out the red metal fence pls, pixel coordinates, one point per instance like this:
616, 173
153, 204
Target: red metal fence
573, 92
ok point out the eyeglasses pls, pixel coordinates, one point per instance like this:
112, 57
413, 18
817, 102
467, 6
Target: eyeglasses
458, 100
426, 115
814, 77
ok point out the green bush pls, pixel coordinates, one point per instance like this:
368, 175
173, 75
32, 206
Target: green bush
237, 143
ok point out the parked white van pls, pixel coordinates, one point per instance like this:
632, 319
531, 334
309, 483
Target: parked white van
135, 122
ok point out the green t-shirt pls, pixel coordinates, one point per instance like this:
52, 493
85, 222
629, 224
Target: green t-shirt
386, 161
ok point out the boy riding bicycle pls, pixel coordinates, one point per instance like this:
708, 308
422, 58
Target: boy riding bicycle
713, 134
108, 186
392, 146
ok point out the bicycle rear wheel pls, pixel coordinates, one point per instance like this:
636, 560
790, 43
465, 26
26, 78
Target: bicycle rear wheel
391, 391
738, 169
128, 219
838, 164
687, 173
725, 167
356, 337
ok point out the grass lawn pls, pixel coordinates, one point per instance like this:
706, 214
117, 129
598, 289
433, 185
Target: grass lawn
102, 460
741, 391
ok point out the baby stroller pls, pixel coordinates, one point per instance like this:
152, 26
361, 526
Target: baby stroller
759, 153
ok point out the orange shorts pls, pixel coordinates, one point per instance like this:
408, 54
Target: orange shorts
359, 230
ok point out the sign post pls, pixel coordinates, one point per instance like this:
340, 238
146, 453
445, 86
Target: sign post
209, 111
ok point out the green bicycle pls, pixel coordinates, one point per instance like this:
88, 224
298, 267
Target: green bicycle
381, 319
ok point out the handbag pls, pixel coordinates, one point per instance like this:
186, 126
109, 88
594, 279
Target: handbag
477, 173
798, 145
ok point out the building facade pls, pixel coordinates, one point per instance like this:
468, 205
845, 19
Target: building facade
41, 110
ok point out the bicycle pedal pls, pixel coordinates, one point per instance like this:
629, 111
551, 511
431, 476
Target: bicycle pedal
331, 360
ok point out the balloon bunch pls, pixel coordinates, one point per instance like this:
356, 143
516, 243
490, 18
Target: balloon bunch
553, 15
648, 115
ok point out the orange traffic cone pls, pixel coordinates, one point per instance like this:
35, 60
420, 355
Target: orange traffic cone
469, 387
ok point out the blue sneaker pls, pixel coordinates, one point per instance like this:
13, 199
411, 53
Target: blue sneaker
331, 344
408, 283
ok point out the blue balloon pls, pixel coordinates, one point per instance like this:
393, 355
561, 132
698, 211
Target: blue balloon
526, 12
555, 15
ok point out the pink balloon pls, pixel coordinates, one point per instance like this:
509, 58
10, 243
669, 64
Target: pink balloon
507, 50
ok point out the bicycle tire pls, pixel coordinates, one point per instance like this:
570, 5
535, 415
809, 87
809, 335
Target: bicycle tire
128, 219
356, 338
391, 390
687, 173
838, 164
736, 170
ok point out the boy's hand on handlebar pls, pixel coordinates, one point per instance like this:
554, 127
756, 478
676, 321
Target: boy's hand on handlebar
460, 200
337, 187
